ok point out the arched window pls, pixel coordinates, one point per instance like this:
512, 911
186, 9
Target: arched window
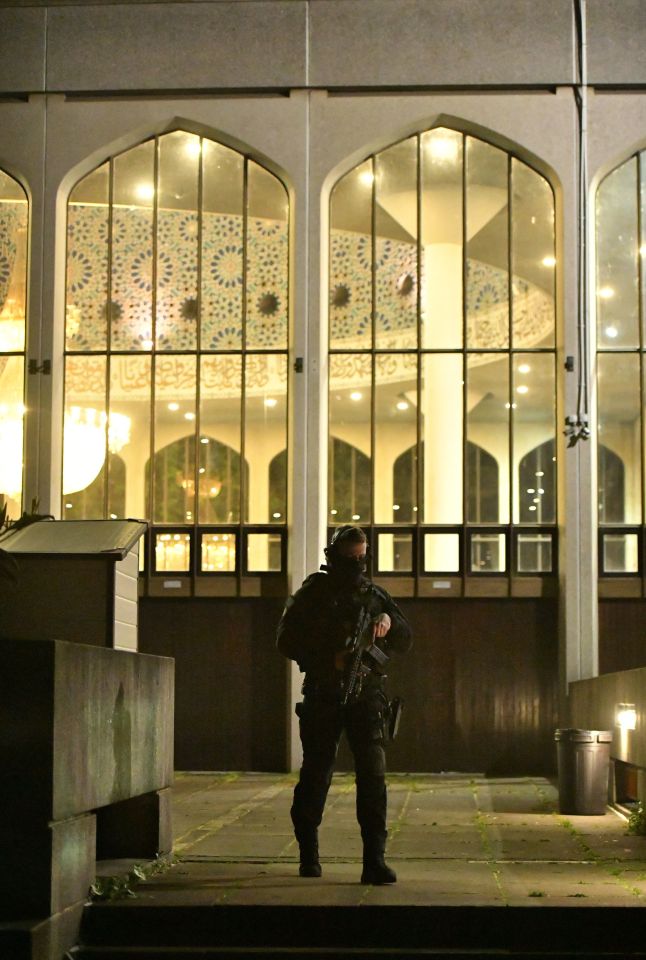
442, 350
176, 350
620, 247
14, 221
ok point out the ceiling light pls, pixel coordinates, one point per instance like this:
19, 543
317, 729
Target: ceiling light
611, 332
147, 344
606, 293
270, 401
173, 406
276, 516
443, 148
642, 250
395, 506
356, 516
522, 389
144, 191
204, 439
524, 368
367, 178
334, 512
402, 405
189, 416
194, 148
549, 261
356, 395
532, 508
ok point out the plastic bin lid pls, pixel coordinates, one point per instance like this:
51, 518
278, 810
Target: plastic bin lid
576, 735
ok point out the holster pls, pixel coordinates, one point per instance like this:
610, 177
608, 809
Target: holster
395, 709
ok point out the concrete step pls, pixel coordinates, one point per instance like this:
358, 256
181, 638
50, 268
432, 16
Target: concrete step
346, 953
388, 932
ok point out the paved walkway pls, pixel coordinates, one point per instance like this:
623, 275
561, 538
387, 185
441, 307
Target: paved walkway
454, 839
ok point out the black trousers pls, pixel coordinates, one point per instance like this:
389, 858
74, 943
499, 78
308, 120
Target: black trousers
323, 718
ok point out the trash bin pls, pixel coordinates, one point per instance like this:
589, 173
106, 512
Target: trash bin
583, 763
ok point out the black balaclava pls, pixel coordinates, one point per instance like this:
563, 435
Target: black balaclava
347, 571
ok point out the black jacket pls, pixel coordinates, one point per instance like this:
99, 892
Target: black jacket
321, 615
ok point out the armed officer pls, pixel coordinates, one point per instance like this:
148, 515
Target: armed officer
341, 628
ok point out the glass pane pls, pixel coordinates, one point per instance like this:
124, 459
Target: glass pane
487, 246
487, 467
442, 233
396, 246
395, 552
14, 217
441, 553
487, 553
218, 553
619, 453
351, 260
442, 390
349, 494
617, 284
174, 458
177, 241
267, 265
86, 307
219, 447
264, 553
222, 233
534, 552
173, 552
129, 436
534, 393
84, 438
395, 438
12, 413
620, 553
532, 257
265, 432
132, 249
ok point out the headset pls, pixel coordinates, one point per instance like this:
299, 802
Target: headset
339, 535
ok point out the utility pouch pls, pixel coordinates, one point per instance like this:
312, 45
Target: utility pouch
395, 709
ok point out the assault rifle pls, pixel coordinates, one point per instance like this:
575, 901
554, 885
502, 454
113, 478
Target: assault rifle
365, 650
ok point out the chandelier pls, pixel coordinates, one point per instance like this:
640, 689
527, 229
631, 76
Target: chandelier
11, 429
84, 444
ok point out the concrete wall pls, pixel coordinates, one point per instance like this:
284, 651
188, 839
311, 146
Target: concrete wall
593, 706
314, 43
86, 741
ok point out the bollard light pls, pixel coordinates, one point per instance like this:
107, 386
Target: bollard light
626, 716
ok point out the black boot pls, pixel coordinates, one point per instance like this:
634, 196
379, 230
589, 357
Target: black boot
375, 869
309, 856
